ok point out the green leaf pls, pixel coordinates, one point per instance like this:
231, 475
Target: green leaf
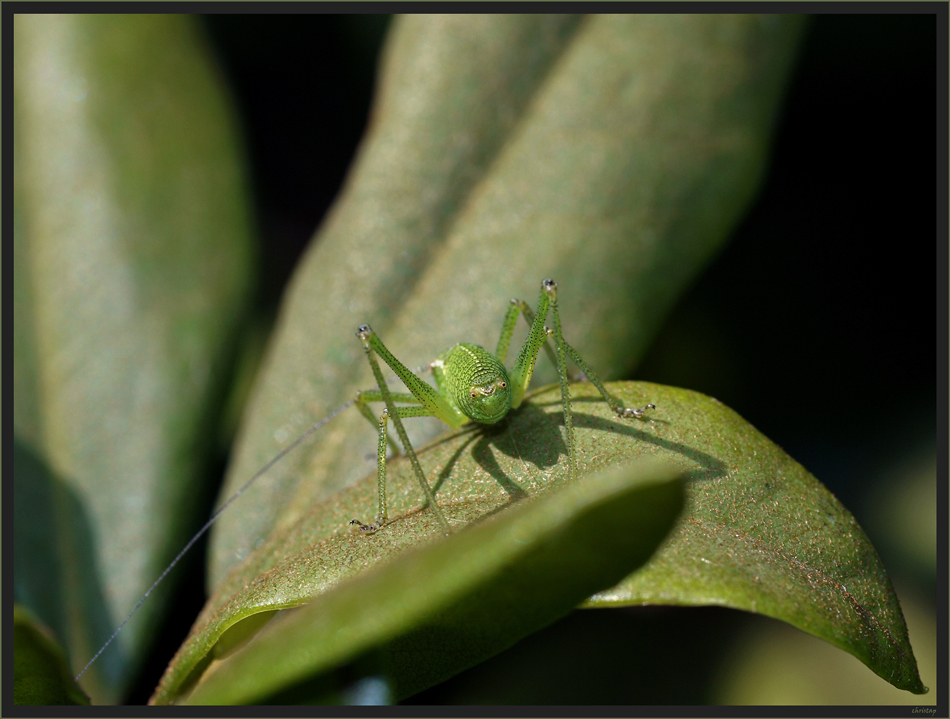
132, 269
761, 534
742, 540
455, 602
613, 154
772, 663
40, 674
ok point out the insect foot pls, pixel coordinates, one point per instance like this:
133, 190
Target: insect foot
368, 528
364, 332
638, 413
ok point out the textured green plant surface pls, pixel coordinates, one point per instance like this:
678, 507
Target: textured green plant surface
432, 612
131, 270
614, 154
757, 533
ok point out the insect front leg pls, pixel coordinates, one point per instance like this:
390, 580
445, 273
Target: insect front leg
433, 404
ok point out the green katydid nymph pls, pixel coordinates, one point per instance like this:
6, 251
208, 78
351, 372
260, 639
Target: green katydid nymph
472, 385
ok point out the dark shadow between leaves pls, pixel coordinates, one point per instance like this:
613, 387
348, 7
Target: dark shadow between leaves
359, 681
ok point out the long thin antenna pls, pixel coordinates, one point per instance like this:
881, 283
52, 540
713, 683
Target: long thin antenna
208, 524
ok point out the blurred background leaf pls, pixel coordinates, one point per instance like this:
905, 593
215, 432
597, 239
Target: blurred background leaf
131, 276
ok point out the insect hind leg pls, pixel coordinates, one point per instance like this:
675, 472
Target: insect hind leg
563, 350
615, 404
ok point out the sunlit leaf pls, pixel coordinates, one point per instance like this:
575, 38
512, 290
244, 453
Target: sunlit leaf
758, 532
455, 602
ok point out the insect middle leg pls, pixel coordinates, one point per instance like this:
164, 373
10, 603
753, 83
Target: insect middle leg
384, 440
364, 397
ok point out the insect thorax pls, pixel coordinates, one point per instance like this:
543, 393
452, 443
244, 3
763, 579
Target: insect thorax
474, 379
